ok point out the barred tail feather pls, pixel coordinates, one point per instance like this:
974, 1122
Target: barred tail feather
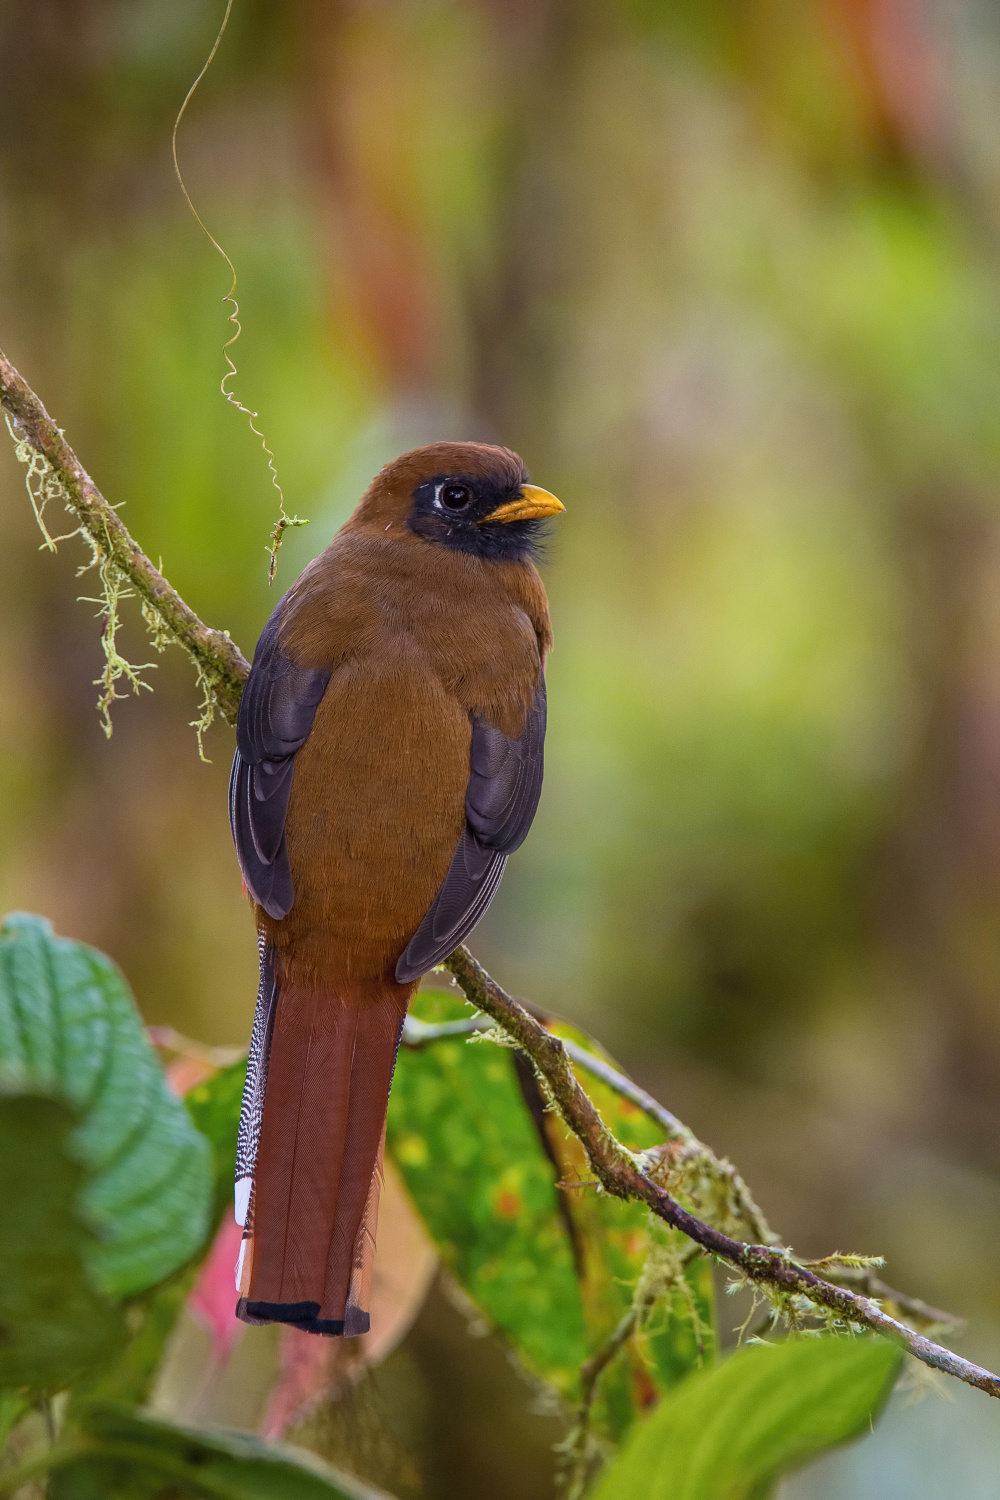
310, 1174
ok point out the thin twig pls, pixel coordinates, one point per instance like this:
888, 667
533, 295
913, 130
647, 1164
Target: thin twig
664, 1271
215, 655
578, 1444
873, 1286
185, 1046
418, 1034
284, 519
620, 1173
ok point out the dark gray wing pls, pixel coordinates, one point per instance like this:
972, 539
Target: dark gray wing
505, 783
276, 713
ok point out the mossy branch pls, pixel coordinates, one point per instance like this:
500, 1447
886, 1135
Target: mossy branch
220, 665
626, 1175
685, 1158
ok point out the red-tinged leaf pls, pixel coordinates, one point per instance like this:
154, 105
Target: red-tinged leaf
313, 1369
212, 1300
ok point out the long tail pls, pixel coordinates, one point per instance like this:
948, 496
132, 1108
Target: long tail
309, 1158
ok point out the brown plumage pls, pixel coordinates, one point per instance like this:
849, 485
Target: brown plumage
389, 757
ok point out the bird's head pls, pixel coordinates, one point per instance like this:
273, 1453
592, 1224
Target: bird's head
470, 497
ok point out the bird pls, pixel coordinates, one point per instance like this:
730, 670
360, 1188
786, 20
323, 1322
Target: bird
389, 757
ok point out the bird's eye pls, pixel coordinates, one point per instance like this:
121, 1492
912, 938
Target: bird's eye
454, 496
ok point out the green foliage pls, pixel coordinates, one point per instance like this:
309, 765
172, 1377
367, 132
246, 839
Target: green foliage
113, 1181
214, 1107
77, 1161
484, 1183
554, 1273
53, 1323
69, 1027
620, 1249
13, 1406
135, 1458
681, 1334
129, 1373
470, 1156
752, 339
728, 1431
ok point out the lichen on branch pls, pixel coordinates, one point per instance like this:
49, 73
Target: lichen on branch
55, 474
792, 1288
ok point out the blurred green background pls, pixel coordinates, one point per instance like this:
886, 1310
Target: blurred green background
726, 274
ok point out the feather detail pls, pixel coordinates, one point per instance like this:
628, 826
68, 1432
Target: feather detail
311, 1164
505, 783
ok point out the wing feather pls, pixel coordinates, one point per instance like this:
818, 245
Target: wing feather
505, 783
276, 714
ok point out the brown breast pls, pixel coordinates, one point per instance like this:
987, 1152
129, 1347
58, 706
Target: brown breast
415, 637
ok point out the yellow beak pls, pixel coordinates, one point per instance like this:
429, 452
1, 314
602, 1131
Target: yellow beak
531, 505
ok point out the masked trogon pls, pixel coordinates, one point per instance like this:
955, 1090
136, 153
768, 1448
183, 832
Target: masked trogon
389, 759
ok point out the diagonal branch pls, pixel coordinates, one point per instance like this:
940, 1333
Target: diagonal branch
620, 1172
218, 660
418, 1034
687, 1149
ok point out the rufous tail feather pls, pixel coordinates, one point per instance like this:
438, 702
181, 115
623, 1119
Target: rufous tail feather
308, 1183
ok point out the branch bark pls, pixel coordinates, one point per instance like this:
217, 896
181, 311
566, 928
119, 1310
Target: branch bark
620, 1173
219, 660
418, 1034
616, 1168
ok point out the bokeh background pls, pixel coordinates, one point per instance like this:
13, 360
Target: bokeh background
725, 272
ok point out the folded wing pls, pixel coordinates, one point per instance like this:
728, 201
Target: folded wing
505, 783
276, 714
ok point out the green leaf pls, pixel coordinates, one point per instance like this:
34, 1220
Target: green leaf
726, 1432
53, 1323
123, 1454
617, 1238
480, 1177
14, 1404
129, 1373
214, 1107
69, 1027
470, 1156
